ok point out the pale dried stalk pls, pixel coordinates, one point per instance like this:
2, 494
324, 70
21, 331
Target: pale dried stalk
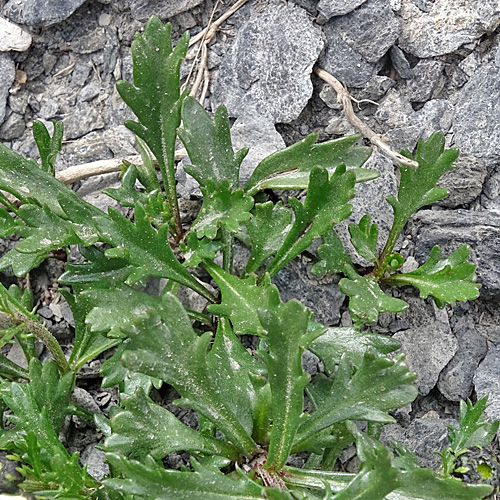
345, 99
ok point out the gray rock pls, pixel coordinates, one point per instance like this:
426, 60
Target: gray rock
83, 119
436, 114
464, 182
394, 110
12, 37
143, 10
259, 135
400, 63
424, 436
429, 347
89, 92
343, 62
448, 25
456, 380
267, 70
476, 123
487, 382
370, 30
370, 199
40, 12
322, 296
95, 461
13, 127
451, 228
7, 74
426, 78
330, 8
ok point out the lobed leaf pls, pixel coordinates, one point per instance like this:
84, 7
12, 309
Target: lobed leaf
367, 300
208, 143
222, 207
326, 204
293, 164
447, 280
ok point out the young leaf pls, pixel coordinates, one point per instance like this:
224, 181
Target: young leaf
336, 341
326, 204
222, 206
155, 96
173, 352
48, 147
379, 385
202, 484
367, 300
286, 336
364, 238
208, 143
141, 427
241, 298
146, 249
447, 280
304, 155
267, 232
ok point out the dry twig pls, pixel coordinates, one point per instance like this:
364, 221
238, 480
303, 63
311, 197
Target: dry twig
345, 99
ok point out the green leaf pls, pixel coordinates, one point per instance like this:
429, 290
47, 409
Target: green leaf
337, 341
222, 207
417, 185
379, 385
166, 347
326, 204
286, 337
367, 300
209, 146
267, 232
155, 96
240, 299
48, 147
195, 250
333, 257
473, 430
302, 157
202, 484
364, 238
141, 427
447, 280
146, 249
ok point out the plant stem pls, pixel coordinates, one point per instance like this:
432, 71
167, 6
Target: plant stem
41, 333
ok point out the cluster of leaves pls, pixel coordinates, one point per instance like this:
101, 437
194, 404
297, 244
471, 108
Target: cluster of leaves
250, 407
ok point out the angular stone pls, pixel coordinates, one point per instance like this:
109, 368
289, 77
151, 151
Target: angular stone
267, 69
451, 228
477, 116
40, 12
426, 77
12, 37
7, 74
464, 182
424, 436
330, 8
456, 380
429, 347
447, 25
259, 135
487, 382
143, 10
370, 30
343, 62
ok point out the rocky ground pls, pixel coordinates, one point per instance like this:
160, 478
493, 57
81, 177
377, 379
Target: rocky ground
427, 65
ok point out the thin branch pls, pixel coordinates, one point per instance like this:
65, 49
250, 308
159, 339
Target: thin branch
345, 99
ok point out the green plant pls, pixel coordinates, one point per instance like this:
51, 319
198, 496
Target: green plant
250, 408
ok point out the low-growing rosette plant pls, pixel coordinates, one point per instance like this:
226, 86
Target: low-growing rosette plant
255, 410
